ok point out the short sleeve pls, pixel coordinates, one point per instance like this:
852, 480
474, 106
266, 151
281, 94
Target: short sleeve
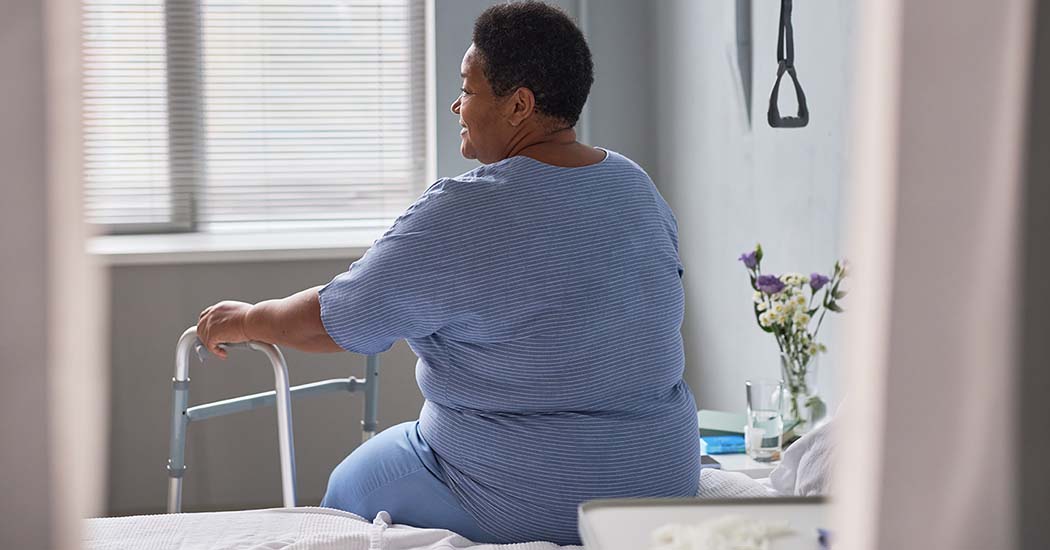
405, 284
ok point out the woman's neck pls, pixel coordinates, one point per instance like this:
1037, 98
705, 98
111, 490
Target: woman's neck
558, 148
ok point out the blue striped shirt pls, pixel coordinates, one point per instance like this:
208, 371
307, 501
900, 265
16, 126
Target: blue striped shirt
545, 306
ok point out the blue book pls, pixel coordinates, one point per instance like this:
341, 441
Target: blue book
723, 444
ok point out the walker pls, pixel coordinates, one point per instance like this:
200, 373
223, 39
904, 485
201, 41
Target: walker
182, 414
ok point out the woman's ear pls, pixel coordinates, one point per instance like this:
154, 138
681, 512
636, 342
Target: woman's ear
520, 106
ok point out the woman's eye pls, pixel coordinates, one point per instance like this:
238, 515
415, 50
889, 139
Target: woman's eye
464, 92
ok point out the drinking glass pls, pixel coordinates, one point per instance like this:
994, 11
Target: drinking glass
765, 422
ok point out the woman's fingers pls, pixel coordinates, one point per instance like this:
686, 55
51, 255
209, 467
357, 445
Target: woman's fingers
206, 334
222, 323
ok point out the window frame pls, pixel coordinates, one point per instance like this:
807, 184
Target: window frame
130, 243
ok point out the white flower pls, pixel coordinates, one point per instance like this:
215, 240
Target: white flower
822, 348
778, 307
757, 297
801, 318
793, 279
765, 319
800, 299
812, 349
762, 306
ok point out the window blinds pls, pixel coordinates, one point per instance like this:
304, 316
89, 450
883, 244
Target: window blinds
254, 115
125, 115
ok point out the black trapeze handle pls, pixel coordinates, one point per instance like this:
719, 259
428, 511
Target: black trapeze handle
786, 64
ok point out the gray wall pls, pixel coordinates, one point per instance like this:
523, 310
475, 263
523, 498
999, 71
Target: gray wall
619, 110
1032, 478
732, 185
454, 25
25, 489
233, 461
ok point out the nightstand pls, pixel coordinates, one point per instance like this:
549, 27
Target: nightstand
714, 422
745, 465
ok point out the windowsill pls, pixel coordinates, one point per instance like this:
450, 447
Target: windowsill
197, 248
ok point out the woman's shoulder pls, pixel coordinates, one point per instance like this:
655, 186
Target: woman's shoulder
623, 162
488, 179
492, 173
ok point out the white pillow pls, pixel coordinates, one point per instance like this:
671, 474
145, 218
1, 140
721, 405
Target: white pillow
805, 467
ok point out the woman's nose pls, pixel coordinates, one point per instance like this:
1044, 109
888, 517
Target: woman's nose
455, 106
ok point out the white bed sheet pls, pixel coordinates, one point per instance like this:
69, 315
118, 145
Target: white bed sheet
325, 528
274, 529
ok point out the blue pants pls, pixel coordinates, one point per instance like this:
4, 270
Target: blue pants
396, 471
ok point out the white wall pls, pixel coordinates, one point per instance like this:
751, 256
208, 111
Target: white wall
732, 185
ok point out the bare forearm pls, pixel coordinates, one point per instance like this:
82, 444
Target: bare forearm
293, 322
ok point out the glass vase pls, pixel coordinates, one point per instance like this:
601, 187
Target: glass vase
803, 407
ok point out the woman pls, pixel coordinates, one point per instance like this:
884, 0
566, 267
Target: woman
542, 294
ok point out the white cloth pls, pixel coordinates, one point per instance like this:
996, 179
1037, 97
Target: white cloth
276, 529
715, 483
328, 529
805, 467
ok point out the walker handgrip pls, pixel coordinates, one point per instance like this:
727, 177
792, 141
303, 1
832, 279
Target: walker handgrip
203, 351
176, 466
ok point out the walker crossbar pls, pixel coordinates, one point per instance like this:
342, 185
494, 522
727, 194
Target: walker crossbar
269, 398
182, 415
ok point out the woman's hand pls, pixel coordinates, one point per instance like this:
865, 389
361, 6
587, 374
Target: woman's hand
223, 323
293, 322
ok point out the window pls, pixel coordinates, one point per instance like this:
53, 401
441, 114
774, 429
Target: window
246, 115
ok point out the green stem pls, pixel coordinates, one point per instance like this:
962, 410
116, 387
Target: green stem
819, 322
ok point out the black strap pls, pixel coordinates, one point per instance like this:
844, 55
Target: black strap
786, 64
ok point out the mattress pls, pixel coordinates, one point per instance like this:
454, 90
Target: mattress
276, 529
324, 528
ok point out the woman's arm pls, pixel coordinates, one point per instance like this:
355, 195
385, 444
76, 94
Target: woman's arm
293, 322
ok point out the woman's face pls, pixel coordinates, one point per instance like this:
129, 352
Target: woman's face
485, 131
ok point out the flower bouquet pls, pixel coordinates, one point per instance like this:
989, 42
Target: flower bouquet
785, 306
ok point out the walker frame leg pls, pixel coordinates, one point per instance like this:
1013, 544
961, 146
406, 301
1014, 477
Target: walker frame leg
368, 424
188, 343
183, 414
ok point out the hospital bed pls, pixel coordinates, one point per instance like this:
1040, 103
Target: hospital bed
327, 529
302, 528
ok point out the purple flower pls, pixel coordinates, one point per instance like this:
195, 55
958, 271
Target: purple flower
817, 281
750, 260
770, 284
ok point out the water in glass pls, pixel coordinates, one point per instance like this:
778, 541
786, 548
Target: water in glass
765, 421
